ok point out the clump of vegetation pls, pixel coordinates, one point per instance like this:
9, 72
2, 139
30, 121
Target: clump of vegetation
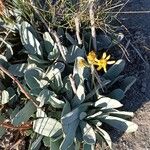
58, 99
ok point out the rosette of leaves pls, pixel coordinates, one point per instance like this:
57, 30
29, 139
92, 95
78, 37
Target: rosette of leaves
74, 102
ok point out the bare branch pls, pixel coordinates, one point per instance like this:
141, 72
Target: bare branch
77, 24
92, 20
27, 95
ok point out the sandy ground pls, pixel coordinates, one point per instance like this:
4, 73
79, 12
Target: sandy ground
138, 98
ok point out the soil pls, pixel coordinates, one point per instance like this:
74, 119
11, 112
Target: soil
138, 97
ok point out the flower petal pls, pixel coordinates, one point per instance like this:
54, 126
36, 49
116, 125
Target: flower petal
104, 55
110, 62
108, 57
99, 68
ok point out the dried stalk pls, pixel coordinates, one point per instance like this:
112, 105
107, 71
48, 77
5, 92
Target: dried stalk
92, 20
52, 32
23, 127
27, 95
77, 24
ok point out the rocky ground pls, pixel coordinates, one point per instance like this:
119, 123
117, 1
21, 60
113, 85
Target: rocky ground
138, 98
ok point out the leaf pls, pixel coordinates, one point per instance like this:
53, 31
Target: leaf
115, 70
56, 81
3, 61
106, 103
48, 42
105, 136
40, 113
88, 133
5, 97
8, 53
18, 69
122, 114
54, 54
46, 126
117, 94
88, 146
69, 129
29, 40
94, 115
120, 124
71, 40
24, 114
55, 145
44, 96
103, 41
36, 144
127, 83
33, 76
35, 59
74, 52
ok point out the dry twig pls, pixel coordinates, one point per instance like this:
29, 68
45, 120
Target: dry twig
92, 20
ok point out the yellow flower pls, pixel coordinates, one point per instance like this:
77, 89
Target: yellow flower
103, 62
82, 63
91, 57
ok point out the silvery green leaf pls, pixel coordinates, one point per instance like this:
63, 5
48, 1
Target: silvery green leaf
48, 42
3, 61
117, 94
94, 115
17, 69
54, 53
70, 131
4, 97
15, 111
71, 40
12, 94
33, 76
55, 102
88, 133
105, 136
37, 143
67, 89
55, 145
60, 66
24, 114
56, 81
96, 122
103, 41
35, 92
127, 83
81, 69
74, 52
40, 113
8, 53
88, 146
44, 96
46, 141
82, 115
106, 103
46, 126
122, 114
80, 95
115, 70
66, 109
29, 40
35, 59
120, 124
